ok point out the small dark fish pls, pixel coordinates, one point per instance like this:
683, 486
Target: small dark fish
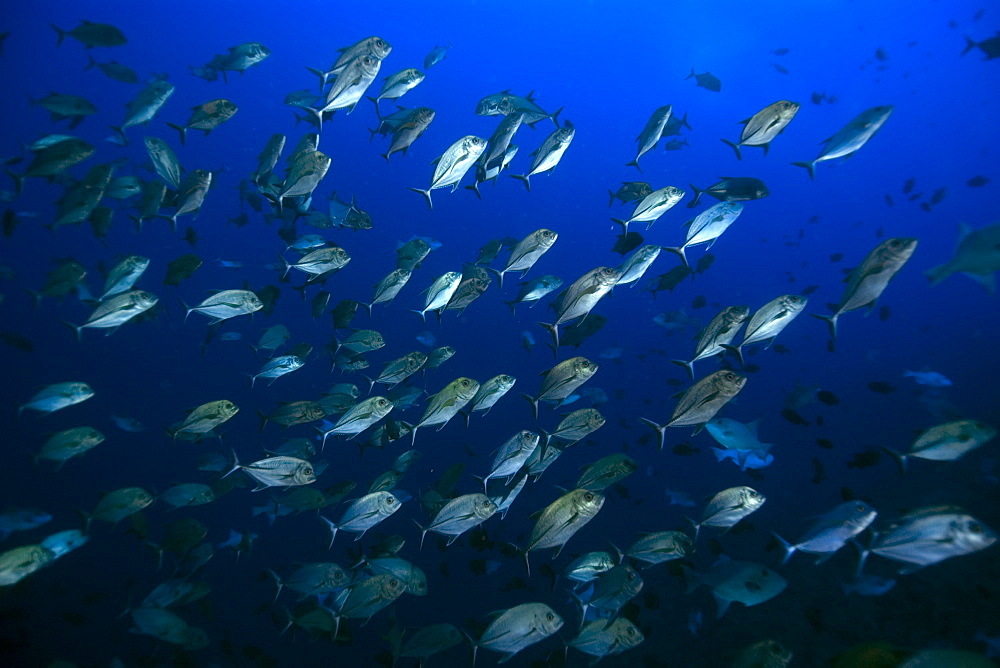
977, 181
809, 289
908, 185
751, 368
938, 195
820, 474
836, 257
863, 460
827, 397
191, 236
343, 313
704, 262
18, 341
794, 417
880, 54
780, 51
627, 242
706, 80
779, 68
925, 206
699, 302
319, 303
884, 313
669, 280
914, 197
10, 223
781, 349
685, 449
630, 191
888, 199
881, 387
268, 296
824, 443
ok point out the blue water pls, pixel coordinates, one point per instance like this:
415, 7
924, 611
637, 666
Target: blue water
608, 66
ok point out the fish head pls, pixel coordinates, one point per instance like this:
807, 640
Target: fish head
607, 276
387, 504
787, 109
970, 535
548, 620
484, 508
582, 367
545, 238
145, 300
587, 503
729, 383
251, 302
627, 635
80, 390
980, 431
793, 303
378, 47
751, 498
898, 250
737, 314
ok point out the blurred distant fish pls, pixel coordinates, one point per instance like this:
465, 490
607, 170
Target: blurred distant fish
928, 378
706, 80
144, 107
436, 55
651, 134
851, 137
977, 256
114, 70
93, 35
990, 46
732, 189
206, 117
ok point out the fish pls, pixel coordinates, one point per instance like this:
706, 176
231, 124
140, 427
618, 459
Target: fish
562, 519
62, 106
928, 536
706, 80
512, 455
191, 195
670, 280
144, 107
527, 252
506, 103
581, 297
226, 304
732, 189
769, 321
850, 138
206, 117
720, 330
700, 402
745, 582
277, 471
25, 519
20, 562
276, 368
488, 394
398, 84
947, 442
452, 165
436, 55
605, 637
430, 640
832, 530
610, 592
400, 369
203, 419
124, 275
928, 378
410, 130
532, 291
977, 255
630, 191
57, 396
560, 381
114, 70
62, 446
516, 628
650, 135
363, 514
548, 155
867, 282
989, 46
652, 206
92, 34
459, 515
444, 405
660, 546
359, 417
728, 508
118, 310
635, 267
54, 160
761, 128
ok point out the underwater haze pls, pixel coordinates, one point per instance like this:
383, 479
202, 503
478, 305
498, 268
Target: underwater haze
227, 306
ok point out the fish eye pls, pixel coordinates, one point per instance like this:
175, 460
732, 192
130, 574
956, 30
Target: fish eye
308, 470
390, 500
975, 528
860, 508
730, 376
588, 497
549, 616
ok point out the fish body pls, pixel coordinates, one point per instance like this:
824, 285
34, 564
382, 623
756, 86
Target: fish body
651, 133
319, 261
459, 515
732, 189
118, 310
548, 155
364, 513
761, 128
527, 252
452, 165
57, 396
606, 637
444, 405
436, 55
867, 282
67, 106
948, 442
660, 546
92, 35
20, 562
124, 275
277, 367
400, 369
226, 304
359, 417
69, 443
280, 471
832, 530
114, 70
630, 191
575, 427
561, 519
930, 535
204, 418
351, 84
635, 267
612, 590
741, 581
22, 520
708, 226
706, 80
440, 293
652, 206
119, 504
410, 130
490, 393
588, 566
579, 299
145, 106
977, 256
506, 103
55, 159
719, 331
729, 506
699, 403
512, 455
535, 289
430, 640
851, 137
400, 83
561, 380
606, 472
305, 174
516, 628
206, 117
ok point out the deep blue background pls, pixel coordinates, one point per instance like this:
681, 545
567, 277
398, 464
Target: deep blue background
609, 66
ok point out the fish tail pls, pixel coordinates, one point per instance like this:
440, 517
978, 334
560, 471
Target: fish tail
555, 118
18, 182
623, 223
321, 74
523, 177
475, 188
413, 434
183, 132
611, 194
660, 430
263, 420
786, 546
969, 44
427, 196
687, 365
736, 350
371, 382
288, 267
810, 165
236, 464
679, 250
694, 525
333, 530
62, 34
937, 274
534, 404
277, 583
498, 274
119, 137
511, 304
91, 62
830, 320
187, 309
634, 163
77, 328
898, 456
697, 196
736, 147
553, 330
690, 75
684, 120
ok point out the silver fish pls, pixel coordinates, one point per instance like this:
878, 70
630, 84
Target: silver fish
575, 427
277, 367
761, 128
387, 289
278, 471
561, 380
632, 269
191, 195
850, 138
652, 206
444, 405
489, 394
226, 304
440, 293
651, 133
164, 161
728, 507
527, 252
459, 515
947, 442
720, 330
832, 530
700, 402
561, 519
548, 155
124, 275
606, 637
746, 582
268, 158
364, 513
144, 107
453, 164
57, 396
399, 84
867, 282
606, 471
359, 418
977, 256
116, 311
512, 455
708, 226
398, 370
930, 535
535, 289
769, 321
660, 546
579, 299
518, 627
